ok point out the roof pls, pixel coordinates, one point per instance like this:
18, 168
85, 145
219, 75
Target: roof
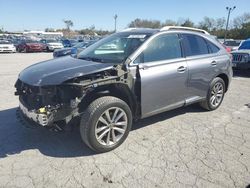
141, 30
166, 28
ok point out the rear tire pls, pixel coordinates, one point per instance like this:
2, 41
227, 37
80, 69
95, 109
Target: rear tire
215, 95
105, 124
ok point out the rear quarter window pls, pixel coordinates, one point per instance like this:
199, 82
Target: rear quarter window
194, 45
212, 47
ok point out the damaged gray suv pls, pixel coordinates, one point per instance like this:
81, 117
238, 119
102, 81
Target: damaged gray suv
127, 76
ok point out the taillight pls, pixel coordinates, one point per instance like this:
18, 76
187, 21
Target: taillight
228, 49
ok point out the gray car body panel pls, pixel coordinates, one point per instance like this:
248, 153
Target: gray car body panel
163, 88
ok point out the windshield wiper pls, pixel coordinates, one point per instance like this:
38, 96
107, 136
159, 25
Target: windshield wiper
92, 59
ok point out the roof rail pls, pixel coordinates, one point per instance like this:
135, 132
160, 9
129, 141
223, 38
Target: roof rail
166, 28
129, 29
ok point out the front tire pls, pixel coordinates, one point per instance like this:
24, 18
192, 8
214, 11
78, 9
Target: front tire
215, 95
105, 124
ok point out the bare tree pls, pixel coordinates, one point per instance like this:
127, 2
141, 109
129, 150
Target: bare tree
220, 23
145, 23
68, 24
188, 23
239, 21
208, 24
169, 22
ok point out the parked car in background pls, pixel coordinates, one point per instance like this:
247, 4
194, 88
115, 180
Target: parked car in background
51, 44
68, 42
232, 44
7, 46
127, 76
241, 57
73, 50
30, 46
16, 42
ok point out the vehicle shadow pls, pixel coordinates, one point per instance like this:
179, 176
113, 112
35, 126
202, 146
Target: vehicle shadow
16, 138
241, 73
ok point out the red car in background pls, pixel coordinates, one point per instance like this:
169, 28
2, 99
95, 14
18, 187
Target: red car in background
30, 46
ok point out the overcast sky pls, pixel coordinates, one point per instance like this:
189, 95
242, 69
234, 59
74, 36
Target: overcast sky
17, 15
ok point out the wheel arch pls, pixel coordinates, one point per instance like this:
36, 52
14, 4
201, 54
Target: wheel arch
225, 78
119, 90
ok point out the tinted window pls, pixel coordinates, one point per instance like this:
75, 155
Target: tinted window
212, 47
163, 48
194, 45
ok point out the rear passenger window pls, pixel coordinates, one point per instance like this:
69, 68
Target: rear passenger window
194, 45
163, 47
212, 47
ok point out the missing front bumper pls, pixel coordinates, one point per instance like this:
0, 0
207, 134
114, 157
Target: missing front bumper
41, 119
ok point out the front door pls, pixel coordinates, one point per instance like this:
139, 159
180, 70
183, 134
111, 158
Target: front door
163, 75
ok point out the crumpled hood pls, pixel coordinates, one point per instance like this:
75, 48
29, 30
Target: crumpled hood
56, 71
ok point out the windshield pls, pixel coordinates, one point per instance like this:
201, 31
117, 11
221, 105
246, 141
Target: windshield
245, 45
114, 49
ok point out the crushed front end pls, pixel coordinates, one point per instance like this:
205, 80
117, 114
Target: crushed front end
46, 105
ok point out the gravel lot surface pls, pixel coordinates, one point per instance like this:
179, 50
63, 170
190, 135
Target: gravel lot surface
187, 147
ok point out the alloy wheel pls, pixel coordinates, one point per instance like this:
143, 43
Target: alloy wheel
111, 126
217, 94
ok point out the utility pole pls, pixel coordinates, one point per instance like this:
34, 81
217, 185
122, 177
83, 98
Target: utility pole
115, 17
229, 10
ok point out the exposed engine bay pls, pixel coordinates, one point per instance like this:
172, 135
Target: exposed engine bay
46, 105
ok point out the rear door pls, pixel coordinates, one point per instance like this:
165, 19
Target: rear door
202, 62
163, 75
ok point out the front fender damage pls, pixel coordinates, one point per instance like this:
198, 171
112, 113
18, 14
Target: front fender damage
50, 105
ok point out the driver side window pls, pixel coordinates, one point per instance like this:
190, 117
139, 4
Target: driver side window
163, 47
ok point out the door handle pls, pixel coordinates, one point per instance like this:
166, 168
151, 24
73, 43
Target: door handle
214, 63
181, 69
